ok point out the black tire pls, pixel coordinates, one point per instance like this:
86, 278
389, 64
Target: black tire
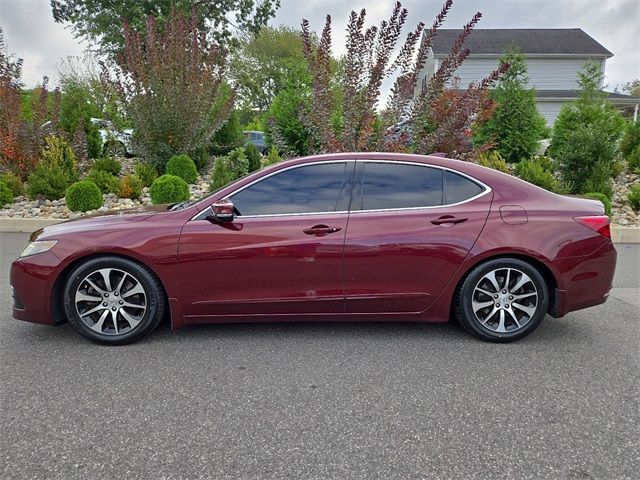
152, 297
470, 293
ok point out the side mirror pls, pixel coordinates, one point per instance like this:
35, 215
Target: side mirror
222, 210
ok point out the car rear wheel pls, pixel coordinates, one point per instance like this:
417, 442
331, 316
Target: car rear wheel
502, 300
113, 300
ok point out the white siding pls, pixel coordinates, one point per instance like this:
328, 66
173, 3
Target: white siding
549, 110
544, 73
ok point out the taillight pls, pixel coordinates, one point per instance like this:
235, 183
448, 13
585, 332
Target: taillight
597, 223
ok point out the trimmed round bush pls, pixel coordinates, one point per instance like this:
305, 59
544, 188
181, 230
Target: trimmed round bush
5, 194
182, 166
14, 183
83, 196
107, 164
106, 182
603, 198
147, 173
169, 189
634, 197
130, 187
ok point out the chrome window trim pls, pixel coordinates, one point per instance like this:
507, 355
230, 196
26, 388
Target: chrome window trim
487, 189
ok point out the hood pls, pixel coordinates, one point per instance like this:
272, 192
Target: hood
98, 220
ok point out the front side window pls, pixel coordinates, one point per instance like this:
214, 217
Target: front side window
307, 189
398, 185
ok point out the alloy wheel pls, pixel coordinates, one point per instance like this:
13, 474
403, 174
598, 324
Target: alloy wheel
110, 301
505, 300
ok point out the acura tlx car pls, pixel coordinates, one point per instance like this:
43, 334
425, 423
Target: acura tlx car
353, 236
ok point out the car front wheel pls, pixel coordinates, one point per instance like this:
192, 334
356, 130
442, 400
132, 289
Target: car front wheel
502, 300
113, 300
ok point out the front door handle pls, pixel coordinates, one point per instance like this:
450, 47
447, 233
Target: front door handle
321, 230
448, 220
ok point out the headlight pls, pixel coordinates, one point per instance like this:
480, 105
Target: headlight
33, 248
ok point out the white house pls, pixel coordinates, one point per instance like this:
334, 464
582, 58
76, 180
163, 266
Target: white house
554, 58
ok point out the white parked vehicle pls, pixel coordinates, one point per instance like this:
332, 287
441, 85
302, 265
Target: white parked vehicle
114, 142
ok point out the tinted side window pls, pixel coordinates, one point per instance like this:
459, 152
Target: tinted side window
458, 188
308, 189
397, 185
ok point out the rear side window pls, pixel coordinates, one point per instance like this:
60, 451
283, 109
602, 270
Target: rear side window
458, 188
307, 189
397, 185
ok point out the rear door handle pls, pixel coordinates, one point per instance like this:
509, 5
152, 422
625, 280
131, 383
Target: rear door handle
321, 230
448, 220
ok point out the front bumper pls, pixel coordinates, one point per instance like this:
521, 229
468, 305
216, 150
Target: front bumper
32, 279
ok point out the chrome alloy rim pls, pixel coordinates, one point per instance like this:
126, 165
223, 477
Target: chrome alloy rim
111, 301
504, 300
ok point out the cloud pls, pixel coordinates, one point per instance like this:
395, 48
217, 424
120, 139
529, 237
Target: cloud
32, 34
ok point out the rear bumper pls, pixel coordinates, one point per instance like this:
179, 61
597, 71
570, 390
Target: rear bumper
587, 281
32, 280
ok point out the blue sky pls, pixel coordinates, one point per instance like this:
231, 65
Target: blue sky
32, 34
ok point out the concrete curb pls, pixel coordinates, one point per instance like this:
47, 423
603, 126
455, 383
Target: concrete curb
28, 225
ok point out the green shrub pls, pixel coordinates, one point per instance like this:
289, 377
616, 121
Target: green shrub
83, 196
515, 126
533, 171
617, 167
169, 189
237, 163
546, 163
57, 151
182, 166
200, 157
130, 187
5, 194
106, 182
14, 183
634, 160
590, 110
585, 160
599, 179
107, 164
229, 136
494, 160
147, 173
253, 157
272, 157
55, 171
631, 139
603, 198
634, 197
221, 175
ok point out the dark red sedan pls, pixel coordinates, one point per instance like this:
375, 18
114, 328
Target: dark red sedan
349, 236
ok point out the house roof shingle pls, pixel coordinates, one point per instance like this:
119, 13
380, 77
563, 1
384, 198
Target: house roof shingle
540, 41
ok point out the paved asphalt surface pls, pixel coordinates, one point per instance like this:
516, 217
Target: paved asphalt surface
326, 401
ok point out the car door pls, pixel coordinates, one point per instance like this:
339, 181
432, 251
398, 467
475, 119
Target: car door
410, 227
281, 254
